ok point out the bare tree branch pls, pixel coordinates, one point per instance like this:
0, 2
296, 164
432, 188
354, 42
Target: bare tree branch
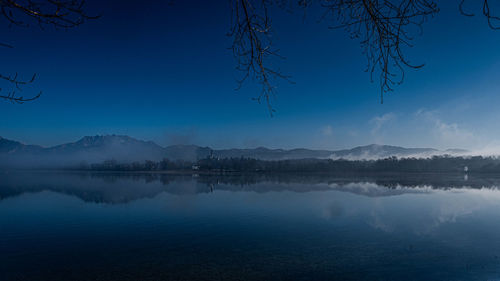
493, 21
56, 13
252, 46
384, 28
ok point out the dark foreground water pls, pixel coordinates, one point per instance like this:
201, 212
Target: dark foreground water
80, 226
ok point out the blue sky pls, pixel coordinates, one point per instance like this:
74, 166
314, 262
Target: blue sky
164, 73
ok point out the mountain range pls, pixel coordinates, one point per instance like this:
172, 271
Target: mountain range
95, 149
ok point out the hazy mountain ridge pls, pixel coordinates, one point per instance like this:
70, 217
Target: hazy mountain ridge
272, 154
10, 146
121, 148
376, 151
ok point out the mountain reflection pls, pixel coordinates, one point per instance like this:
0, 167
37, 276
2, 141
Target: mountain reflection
125, 187
156, 224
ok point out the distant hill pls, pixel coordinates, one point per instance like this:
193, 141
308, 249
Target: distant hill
96, 149
272, 154
100, 148
375, 151
90, 149
15, 147
186, 152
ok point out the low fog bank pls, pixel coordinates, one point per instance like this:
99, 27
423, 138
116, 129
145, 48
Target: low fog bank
124, 150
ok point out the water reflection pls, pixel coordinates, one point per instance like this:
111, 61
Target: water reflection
124, 187
105, 226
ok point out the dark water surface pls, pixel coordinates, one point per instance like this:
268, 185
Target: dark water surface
104, 226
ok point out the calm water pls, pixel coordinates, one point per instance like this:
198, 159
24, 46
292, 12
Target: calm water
80, 226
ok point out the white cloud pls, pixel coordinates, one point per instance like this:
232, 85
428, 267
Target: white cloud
447, 134
490, 149
379, 121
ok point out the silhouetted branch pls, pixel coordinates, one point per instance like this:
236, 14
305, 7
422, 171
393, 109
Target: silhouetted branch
384, 30
252, 46
17, 83
56, 13
493, 21
11, 96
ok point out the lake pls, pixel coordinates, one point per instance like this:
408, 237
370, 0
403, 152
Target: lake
135, 226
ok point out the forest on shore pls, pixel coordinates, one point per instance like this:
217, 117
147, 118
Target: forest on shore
436, 164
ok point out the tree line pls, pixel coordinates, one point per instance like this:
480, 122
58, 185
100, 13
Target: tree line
436, 164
